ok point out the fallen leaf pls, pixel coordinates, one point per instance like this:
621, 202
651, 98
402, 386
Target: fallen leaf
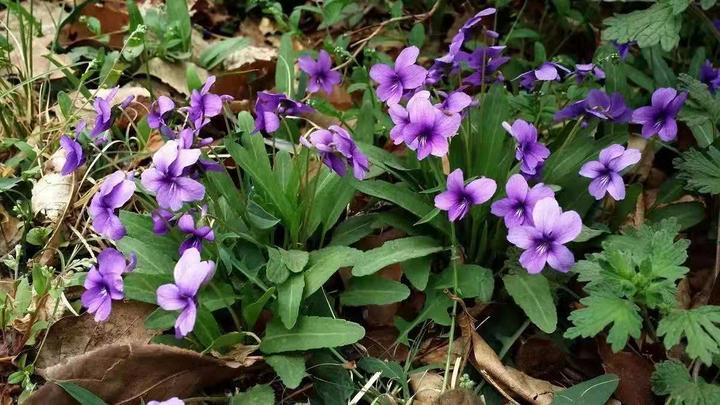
634, 372
458, 397
113, 18
50, 195
9, 231
426, 386
540, 357
172, 74
248, 55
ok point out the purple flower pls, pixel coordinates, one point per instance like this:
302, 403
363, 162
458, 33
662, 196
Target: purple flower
195, 235
205, 105
104, 283
161, 220
320, 73
597, 104
190, 273
529, 152
399, 116
659, 117
518, 206
338, 151
623, 49
459, 198
544, 241
485, 61
605, 172
103, 109
74, 156
169, 178
159, 110
114, 192
459, 39
584, 70
455, 102
269, 107
548, 71
171, 401
429, 128
393, 81
710, 76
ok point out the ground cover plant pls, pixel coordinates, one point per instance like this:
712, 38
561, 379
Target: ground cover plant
376, 202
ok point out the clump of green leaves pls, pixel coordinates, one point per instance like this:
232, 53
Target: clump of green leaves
672, 378
700, 170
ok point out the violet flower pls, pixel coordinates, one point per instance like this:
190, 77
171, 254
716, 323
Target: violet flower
195, 235
74, 156
459, 198
104, 283
205, 105
114, 192
270, 107
454, 102
544, 240
516, 209
659, 117
459, 39
710, 76
159, 110
597, 104
485, 61
584, 70
169, 178
320, 73
338, 151
104, 116
623, 49
429, 128
605, 172
171, 401
161, 220
399, 116
529, 152
190, 274
405, 75
548, 71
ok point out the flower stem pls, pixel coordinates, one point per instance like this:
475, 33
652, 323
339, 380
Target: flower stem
453, 264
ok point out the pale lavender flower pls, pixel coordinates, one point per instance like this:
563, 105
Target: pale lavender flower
544, 241
320, 73
516, 209
529, 152
104, 116
548, 71
114, 192
190, 274
659, 117
338, 151
169, 179
454, 102
104, 283
270, 107
459, 198
710, 76
429, 128
399, 117
74, 156
171, 401
159, 111
605, 172
162, 220
205, 105
584, 70
597, 104
405, 75
459, 39
195, 235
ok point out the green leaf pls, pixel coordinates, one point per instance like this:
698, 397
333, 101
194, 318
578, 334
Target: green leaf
214, 54
135, 44
532, 293
310, 332
672, 378
372, 290
700, 170
416, 37
698, 325
285, 70
657, 24
473, 281
275, 270
388, 369
257, 395
395, 251
251, 312
325, 262
602, 310
177, 12
290, 295
596, 391
687, 214
699, 96
417, 271
160, 319
80, 394
290, 368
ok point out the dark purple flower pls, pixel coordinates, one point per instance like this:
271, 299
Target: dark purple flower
544, 241
104, 283
270, 107
584, 70
190, 274
710, 76
459, 39
455, 102
459, 198
548, 71
597, 104
74, 156
205, 105
161, 220
114, 192
429, 128
171, 401
394, 81
338, 151
529, 152
159, 110
623, 49
518, 206
485, 61
659, 117
104, 117
320, 73
195, 235
605, 172
169, 178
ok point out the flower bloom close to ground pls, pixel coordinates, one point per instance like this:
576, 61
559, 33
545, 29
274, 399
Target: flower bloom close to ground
459, 198
104, 283
405, 75
205, 105
190, 274
194, 235
338, 151
605, 172
161, 219
623, 49
583, 70
516, 209
486, 61
547, 72
270, 107
169, 180
597, 104
710, 76
320, 73
74, 156
529, 152
159, 110
171, 401
428, 128
114, 192
459, 39
659, 117
544, 241
454, 102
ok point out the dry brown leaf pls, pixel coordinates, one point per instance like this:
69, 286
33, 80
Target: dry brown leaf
458, 397
50, 195
634, 372
172, 74
75, 335
426, 386
42, 308
248, 55
113, 18
9, 231
126, 374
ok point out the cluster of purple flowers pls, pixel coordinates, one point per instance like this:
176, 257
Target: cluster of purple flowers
338, 151
529, 152
710, 75
104, 283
